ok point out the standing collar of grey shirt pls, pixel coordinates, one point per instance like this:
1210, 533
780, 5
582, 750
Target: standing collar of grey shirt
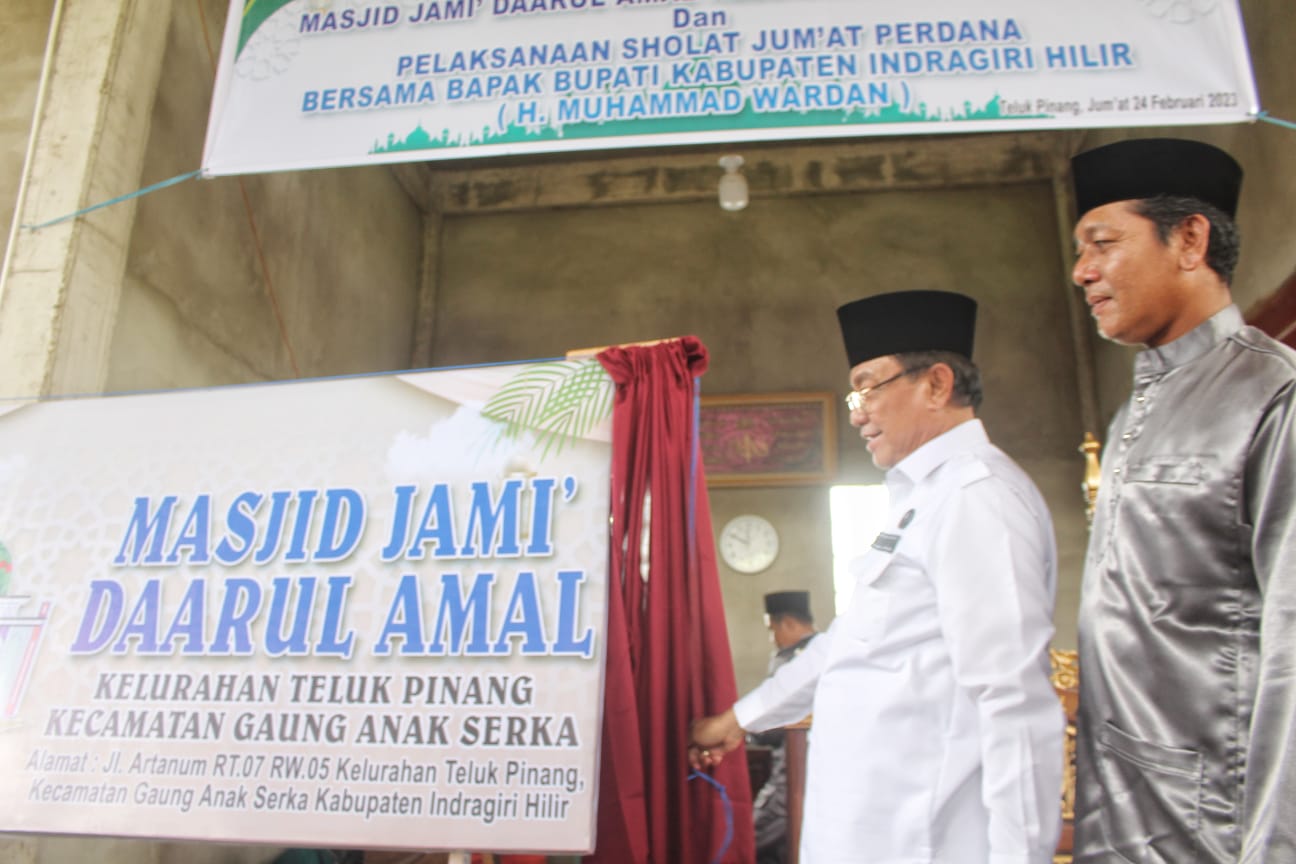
1191, 345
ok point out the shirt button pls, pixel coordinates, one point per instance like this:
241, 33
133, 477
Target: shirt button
1140, 399
1117, 471
1127, 436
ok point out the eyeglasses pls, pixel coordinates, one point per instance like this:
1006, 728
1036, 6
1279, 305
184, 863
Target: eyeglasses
857, 400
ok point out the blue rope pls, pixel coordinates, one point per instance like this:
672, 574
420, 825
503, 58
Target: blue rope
179, 178
695, 450
1269, 118
728, 810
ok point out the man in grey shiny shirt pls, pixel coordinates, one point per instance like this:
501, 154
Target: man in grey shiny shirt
1187, 747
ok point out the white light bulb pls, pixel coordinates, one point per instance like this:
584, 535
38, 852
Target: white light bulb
733, 185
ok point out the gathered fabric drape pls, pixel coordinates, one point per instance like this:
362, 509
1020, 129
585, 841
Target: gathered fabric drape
668, 659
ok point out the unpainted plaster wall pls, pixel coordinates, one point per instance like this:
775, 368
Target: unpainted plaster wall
232, 280
24, 25
343, 260
344, 251
760, 287
1267, 153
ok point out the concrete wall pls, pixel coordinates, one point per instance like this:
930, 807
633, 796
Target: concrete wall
374, 269
760, 287
230, 280
1268, 156
221, 282
23, 27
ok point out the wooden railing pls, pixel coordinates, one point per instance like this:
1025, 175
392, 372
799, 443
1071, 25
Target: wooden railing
795, 755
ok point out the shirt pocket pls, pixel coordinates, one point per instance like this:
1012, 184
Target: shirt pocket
866, 616
1190, 470
869, 617
1152, 793
1177, 513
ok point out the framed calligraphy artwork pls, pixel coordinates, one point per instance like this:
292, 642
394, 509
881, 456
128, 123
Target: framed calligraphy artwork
769, 439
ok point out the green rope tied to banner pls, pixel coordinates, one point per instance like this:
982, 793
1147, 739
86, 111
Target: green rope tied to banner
1269, 118
179, 178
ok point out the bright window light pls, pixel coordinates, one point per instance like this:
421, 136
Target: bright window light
858, 514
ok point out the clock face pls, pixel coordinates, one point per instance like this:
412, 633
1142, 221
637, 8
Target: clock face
749, 543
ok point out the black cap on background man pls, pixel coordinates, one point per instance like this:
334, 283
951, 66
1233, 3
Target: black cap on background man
788, 603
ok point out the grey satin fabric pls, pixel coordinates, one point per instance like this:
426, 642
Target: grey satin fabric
1187, 732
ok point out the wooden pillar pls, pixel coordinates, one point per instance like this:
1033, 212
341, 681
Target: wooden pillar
60, 286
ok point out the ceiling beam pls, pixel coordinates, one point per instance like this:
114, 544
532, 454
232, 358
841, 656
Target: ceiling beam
772, 170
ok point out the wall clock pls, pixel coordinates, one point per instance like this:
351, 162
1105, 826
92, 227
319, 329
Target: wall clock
749, 543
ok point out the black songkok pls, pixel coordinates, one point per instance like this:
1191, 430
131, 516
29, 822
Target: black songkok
905, 321
788, 603
1147, 167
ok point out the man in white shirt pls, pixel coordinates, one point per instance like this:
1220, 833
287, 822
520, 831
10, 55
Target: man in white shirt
937, 736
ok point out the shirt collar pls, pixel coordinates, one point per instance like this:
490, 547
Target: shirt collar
936, 452
796, 646
1191, 345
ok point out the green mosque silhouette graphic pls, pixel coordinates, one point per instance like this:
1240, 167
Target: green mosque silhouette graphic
746, 119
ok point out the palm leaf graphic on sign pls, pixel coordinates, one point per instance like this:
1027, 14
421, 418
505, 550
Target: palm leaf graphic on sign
255, 13
559, 401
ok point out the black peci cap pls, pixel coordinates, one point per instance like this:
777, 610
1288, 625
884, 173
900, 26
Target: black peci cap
1147, 167
788, 602
904, 321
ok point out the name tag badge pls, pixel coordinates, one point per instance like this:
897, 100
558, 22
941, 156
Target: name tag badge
885, 542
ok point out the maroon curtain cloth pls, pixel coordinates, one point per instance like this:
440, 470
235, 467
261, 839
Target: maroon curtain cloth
668, 658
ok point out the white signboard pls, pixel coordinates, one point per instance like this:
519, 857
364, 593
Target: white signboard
356, 613
311, 83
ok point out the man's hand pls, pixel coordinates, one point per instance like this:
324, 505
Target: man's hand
711, 738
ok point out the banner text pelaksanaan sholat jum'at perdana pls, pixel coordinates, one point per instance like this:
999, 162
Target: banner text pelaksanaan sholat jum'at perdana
306, 85
357, 613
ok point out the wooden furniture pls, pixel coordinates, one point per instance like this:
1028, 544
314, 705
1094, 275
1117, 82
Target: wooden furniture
760, 762
1066, 683
795, 753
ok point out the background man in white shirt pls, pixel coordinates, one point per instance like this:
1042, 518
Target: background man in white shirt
937, 736
791, 626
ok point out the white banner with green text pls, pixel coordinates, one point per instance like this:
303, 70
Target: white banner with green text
314, 83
